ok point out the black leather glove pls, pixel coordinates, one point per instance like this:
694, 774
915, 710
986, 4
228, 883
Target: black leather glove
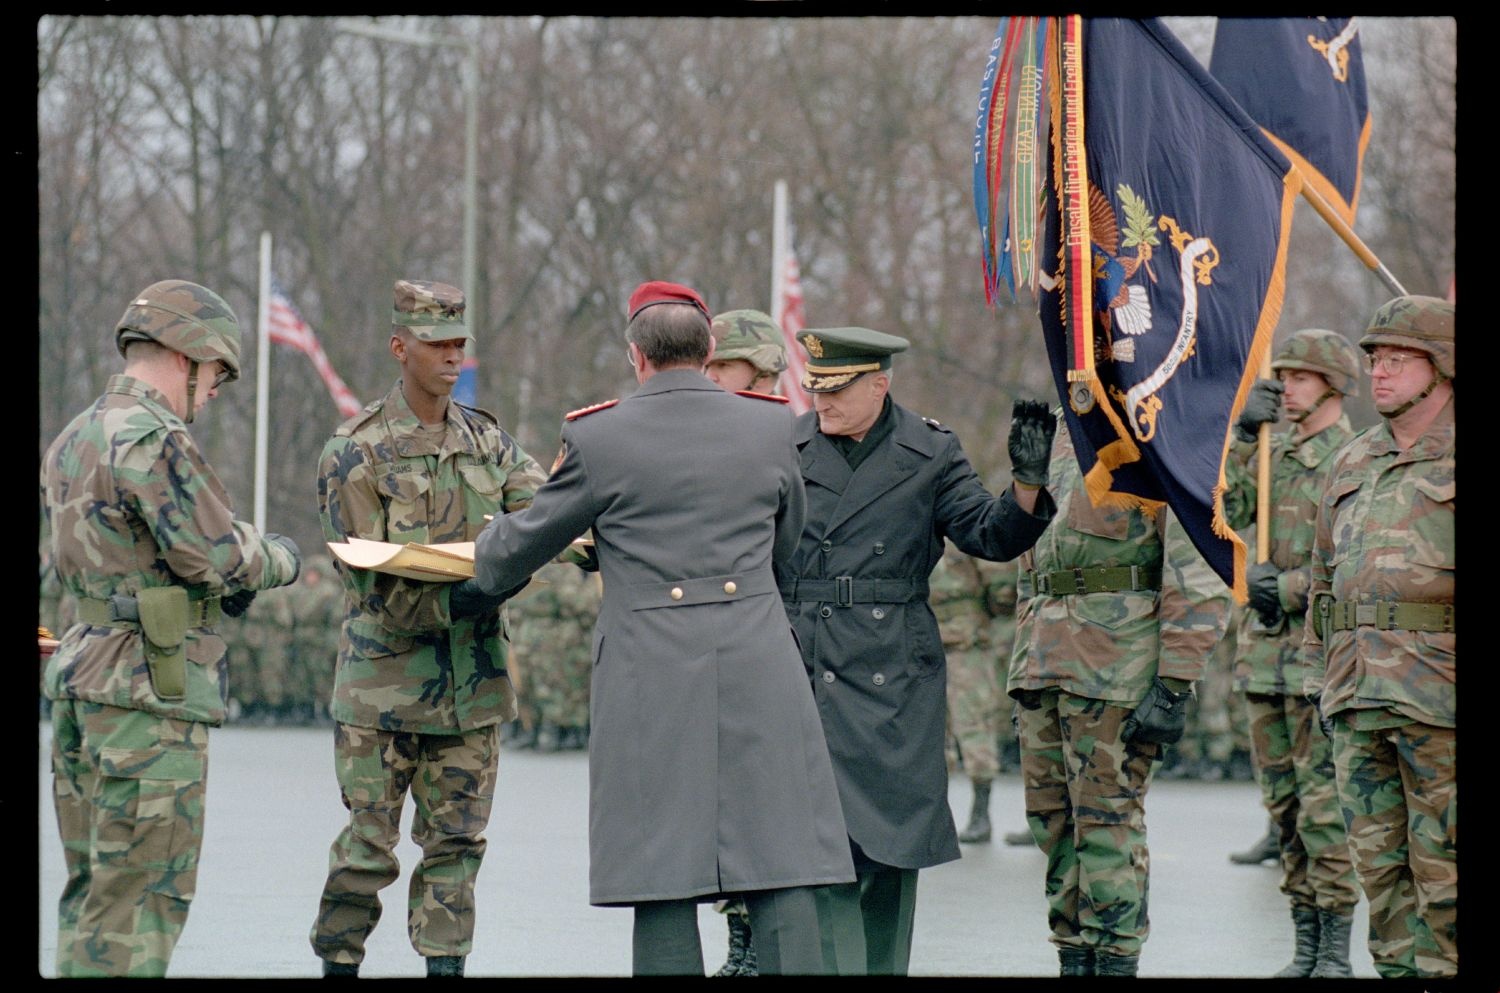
290, 546
1160, 717
467, 599
1265, 595
1028, 699
1261, 406
1031, 429
236, 603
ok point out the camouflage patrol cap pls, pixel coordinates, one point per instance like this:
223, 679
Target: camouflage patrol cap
1422, 323
1327, 353
839, 356
750, 335
430, 311
186, 318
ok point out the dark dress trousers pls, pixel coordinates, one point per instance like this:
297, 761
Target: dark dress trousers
708, 768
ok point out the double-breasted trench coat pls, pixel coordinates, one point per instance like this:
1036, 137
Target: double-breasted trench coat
708, 768
856, 591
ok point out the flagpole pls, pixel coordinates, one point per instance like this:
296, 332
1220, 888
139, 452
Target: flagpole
262, 380
1325, 210
778, 252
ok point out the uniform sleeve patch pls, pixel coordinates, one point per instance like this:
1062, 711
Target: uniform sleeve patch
762, 396
573, 415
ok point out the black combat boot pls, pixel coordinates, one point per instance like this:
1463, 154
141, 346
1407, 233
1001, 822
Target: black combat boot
1109, 964
1267, 849
1333, 945
1305, 924
445, 967
340, 970
1075, 961
979, 817
741, 960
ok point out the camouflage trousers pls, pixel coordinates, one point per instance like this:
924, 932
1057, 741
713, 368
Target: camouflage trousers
128, 788
451, 778
1294, 766
974, 699
1086, 807
1399, 792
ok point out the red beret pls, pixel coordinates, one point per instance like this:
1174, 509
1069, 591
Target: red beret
657, 291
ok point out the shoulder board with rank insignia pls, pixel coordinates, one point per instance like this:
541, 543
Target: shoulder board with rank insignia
762, 396
935, 425
573, 415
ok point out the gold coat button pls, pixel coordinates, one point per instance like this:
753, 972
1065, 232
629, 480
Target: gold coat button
676, 593
729, 587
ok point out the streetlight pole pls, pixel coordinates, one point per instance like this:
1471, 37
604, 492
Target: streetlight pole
471, 141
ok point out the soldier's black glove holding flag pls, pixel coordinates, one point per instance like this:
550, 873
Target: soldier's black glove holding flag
1031, 429
237, 603
468, 599
1161, 717
1265, 594
1262, 405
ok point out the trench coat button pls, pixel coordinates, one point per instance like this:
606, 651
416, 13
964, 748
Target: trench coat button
879, 548
828, 677
877, 613
878, 679
827, 545
827, 611
729, 587
676, 593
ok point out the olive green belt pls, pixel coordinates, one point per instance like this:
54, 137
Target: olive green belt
1113, 579
1388, 615
123, 612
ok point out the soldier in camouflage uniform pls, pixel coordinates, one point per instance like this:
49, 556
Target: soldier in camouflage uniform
1117, 614
1380, 639
143, 535
317, 614
552, 640
259, 654
968, 596
1316, 369
749, 357
421, 685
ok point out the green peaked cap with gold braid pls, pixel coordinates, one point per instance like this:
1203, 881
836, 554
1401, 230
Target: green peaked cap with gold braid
839, 356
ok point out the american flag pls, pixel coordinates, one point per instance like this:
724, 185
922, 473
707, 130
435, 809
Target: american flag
792, 321
288, 328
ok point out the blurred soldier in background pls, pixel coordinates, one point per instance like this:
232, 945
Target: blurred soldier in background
1381, 636
1117, 616
968, 597
317, 610
1316, 369
551, 641
144, 535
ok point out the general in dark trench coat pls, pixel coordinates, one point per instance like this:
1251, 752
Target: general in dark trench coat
709, 773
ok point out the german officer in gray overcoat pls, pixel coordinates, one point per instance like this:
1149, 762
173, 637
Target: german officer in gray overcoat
885, 488
709, 774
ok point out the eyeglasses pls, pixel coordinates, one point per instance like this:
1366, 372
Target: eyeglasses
221, 378
1391, 363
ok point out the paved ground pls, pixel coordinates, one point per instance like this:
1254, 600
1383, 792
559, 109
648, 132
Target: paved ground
273, 809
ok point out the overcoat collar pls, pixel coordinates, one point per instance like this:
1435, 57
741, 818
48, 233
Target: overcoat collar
676, 379
910, 445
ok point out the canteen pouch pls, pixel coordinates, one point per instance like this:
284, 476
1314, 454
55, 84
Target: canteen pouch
164, 624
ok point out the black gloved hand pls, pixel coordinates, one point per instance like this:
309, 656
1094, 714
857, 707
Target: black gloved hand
1031, 429
290, 546
1325, 723
468, 599
236, 603
1261, 406
1028, 699
1161, 717
1265, 595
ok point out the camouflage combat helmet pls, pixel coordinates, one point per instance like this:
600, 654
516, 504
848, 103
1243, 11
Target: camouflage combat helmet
186, 318
1421, 323
1327, 353
750, 335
